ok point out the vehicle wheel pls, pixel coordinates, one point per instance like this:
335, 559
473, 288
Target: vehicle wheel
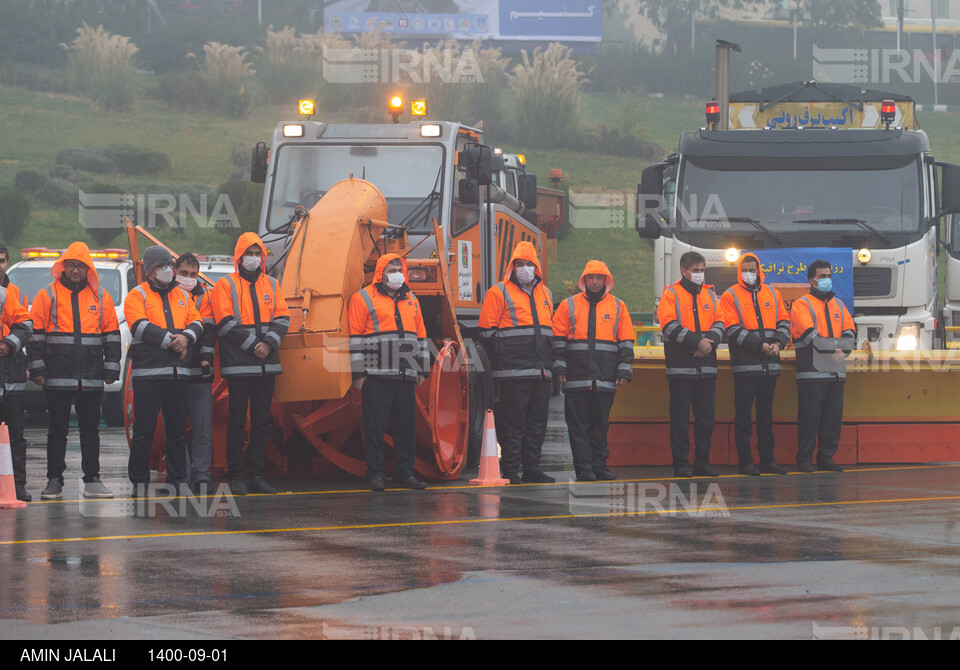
112, 406
481, 398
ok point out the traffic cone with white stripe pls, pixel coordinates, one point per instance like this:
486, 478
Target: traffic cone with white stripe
489, 474
8, 488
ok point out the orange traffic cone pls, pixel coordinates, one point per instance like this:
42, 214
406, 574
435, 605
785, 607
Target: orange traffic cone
8, 488
489, 474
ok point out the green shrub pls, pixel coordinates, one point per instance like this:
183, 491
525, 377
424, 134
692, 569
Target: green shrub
14, 215
58, 193
103, 66
88, 160
548, 88
28, 181
133, 160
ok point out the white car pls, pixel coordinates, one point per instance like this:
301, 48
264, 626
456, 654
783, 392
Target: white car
214, 267
115, 271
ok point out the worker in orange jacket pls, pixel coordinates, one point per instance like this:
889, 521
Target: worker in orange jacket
252, 319
15, 330
758, 327
593, 355
389, 354
824, 334
691, 320
165, 326
74, 353
516, 328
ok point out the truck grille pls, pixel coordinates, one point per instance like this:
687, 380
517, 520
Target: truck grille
872, 282
721, 277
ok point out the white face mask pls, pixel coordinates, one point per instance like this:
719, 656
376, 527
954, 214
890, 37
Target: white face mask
187, 283
697, 277
749, 278
394, 280
526, 274
165, 275
250, 263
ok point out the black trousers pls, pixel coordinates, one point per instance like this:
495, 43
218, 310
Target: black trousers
701, 394
59, 402
150, 398
819, 419
11, 413
392, 400
257, 394
521, 413
588, 417
750, 391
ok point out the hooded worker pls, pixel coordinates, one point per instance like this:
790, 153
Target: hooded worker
593, 354
252, 319
516, 326
165, 326
758, 327
389, 356
15, 330
74, 352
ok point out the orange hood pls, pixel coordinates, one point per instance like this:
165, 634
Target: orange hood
382, 263
246, 241
524, 251
596, 268
78, 251
740, 270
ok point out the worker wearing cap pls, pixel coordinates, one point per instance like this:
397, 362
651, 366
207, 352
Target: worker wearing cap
691, 319
516, 327
252, 318
824, 334
74, 353
389, 355
15, 329
187, 268
593, 354
165, 325
758, 326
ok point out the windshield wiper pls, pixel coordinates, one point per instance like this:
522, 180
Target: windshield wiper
860, 222
743, 219
420, 215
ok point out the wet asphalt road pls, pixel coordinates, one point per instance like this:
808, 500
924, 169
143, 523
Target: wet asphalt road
867, 552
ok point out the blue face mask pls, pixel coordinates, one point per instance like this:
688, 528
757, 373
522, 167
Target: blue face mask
825, 284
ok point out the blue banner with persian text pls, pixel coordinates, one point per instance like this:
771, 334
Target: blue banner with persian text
789, 266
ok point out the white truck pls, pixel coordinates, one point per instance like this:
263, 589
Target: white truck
814, 165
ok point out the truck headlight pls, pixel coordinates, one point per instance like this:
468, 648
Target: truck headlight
908, 337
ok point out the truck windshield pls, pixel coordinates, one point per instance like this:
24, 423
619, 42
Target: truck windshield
875, 196
410, 178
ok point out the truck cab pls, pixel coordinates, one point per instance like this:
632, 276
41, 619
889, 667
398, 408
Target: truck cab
873, 191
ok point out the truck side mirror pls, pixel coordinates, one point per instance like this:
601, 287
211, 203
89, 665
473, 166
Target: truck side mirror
478, 161
950, 189
650, 202
527, 190
258, 165
468, 191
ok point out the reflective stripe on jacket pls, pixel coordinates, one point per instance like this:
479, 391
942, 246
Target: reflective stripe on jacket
76, 337
593, 343
821, 325
388, 339
15, 329
155, 317
688, 313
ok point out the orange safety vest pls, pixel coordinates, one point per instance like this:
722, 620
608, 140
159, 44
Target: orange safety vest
819, 328
16, 328
155, 317
685, 318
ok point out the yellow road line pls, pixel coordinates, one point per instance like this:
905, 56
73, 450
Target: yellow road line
512, 486
448, 522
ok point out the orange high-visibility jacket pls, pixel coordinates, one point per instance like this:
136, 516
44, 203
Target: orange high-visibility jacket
687, 313
517, 326
155, 316
76, 334
821, 325
387, 336
593, 340
15, 329
247, 313
754, 316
